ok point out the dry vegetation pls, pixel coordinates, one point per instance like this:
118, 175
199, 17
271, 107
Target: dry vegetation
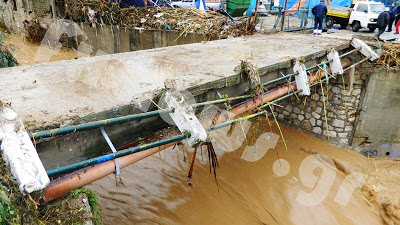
212, 25
390, 55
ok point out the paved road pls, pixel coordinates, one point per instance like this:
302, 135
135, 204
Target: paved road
366, 32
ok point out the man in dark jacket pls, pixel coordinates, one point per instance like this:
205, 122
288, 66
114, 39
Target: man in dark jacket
319, 11
383, 21
392, 13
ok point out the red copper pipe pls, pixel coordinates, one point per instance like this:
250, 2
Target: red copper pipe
80, 178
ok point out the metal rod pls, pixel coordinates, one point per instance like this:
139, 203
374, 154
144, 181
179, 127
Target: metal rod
110, 144
111, 156
356, 64
350, 52
223, 100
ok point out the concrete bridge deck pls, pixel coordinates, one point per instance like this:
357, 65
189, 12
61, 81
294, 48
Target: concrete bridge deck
57, 93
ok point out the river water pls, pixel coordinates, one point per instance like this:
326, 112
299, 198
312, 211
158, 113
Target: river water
29, 54
259, 182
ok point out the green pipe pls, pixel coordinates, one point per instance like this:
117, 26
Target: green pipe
122, 119
96, 124
279, 79
111, 156
293, 74
281, 98
223, 100
230, 122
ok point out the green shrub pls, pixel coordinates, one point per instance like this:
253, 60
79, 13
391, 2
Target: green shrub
6, 57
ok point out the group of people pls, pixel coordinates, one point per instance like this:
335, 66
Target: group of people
387, 18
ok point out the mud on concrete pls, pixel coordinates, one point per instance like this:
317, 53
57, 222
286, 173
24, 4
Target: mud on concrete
63, 92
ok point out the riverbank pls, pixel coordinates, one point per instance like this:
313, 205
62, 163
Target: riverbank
77, 207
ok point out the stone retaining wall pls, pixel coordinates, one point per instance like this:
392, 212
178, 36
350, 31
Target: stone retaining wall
308, 113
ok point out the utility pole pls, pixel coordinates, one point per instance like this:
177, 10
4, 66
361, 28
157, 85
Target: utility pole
284, 14
255, 15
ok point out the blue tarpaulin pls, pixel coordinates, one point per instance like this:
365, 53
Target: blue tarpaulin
200, 4
294, 4
312, 3
251, 7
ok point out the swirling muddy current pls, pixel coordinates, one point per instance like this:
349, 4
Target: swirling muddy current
259, 181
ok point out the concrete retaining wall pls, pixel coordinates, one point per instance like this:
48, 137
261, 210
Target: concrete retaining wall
112, 39
378, 128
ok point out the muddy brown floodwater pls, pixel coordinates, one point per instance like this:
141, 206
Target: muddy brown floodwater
28, 54
258, 183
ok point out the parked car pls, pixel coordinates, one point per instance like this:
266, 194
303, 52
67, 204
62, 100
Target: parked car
363, 15
216, 5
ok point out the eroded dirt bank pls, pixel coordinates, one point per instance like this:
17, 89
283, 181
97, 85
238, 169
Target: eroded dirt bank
298, 189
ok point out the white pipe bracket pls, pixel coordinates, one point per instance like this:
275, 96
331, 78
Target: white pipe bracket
184, 117
365, 49
19, 152
335, 65
301, 78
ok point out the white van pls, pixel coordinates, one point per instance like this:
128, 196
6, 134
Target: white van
365, 15
187, 4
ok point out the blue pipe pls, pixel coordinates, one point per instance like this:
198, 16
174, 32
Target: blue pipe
111, 156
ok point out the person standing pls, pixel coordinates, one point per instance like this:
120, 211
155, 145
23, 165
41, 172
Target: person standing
319, 11
383, 21
392, 13
397, 19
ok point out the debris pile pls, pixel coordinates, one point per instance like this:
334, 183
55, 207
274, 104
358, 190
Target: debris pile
34, 33
390, 55
211, 25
